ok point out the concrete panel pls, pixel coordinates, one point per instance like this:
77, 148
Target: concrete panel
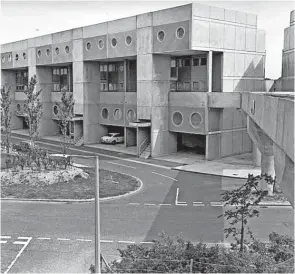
31, 57
159, 144
172, 15
144, 112
171, 42
286, 38
200, 33
20, 96
251, 19
229, 36
31, 43
129, 118
45, 57
230, 15
188, 99
217, 13
78, 93
95, 52
240, 42
77, 33
213, 146
91, 94
226, 144
131, 98
291, 38
239, 64
224, 100
18, 60
32, 71
144, 20
250, 39
216, 35
200, 10
63, 56
227, 85
269, 122
240, 85
228, 64
122, 49
250, 84
91, 72
15, 46
78, 108
95, 30
77, 52
258, 63
237, 119
288, 138
145, 67
241, 17
160, 93
260, 41
43, 40
237, 142
227, 119
7, 64
113, 97
144, 95
144, 40
214, 116
63, 36
247, 143
161, 67
160, 118
122, 25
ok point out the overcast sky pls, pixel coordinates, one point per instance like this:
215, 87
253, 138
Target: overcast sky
24, 19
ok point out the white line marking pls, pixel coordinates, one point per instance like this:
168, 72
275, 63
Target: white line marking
19, 253
182, 204
149, 204
3, 242
197, 202
106, 241
19, 242
121, 165
165, 176
146, 242
198, 205
134, 203
126, 242
216, 204
176, 199
5, 237
63, 239
84, 240
165, 204
43, 238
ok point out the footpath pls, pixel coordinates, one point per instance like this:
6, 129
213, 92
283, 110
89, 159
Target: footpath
237, 167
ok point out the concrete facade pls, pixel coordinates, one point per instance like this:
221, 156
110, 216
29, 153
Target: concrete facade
158, 77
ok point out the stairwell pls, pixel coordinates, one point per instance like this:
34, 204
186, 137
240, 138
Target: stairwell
146, 152
80, 141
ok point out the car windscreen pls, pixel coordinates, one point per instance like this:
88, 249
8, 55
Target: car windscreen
110, 135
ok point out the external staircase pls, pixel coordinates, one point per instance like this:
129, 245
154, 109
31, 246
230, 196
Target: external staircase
145, 149
80, 140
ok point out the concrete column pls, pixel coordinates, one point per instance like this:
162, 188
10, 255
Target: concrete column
268, 167
209, 70
256, 156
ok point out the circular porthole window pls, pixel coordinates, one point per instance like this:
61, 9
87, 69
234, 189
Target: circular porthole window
160, 35
105, 113
57, 51
9, 58
88, 46
48, 52
131, 115
67, 49
196, 120
128, 40
39, 53
3, 59
117, 114
177, 118
16, 57
180, 33
100, 44
18, 107
114, 42
55, 110
24, 55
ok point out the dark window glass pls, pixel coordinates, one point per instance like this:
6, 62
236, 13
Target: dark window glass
203, 61
187, 62
21, 80
196, 62
173, 72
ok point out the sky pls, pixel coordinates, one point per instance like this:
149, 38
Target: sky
24, 19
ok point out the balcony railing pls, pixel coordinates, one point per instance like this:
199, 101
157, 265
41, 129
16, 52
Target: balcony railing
61, 88
118, 87
195, 86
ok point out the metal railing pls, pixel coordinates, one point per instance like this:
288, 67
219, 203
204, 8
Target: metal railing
79, 137
195, 86
143, 145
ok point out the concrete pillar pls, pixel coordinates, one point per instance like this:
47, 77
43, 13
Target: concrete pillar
268, 167
209, 69
256, 156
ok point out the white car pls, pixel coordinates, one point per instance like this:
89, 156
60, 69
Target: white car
112, 138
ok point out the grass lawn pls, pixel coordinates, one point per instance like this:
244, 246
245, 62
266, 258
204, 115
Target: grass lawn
111, 184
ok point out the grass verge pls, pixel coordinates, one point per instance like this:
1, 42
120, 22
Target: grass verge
111, 184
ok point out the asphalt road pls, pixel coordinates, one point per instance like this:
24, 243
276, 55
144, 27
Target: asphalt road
60, 236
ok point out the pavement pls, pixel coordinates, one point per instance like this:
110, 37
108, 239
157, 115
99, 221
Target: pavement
40, 237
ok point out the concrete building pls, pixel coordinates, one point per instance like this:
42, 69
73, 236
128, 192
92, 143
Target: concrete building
157, 78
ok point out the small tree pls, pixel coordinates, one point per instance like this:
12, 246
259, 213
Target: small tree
65, 115
245, 199
6, 114
33, 109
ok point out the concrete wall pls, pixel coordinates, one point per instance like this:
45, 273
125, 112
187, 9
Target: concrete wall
130, 136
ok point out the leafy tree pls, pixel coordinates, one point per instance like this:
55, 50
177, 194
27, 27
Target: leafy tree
6, 114
33, 109
65, 114
245, 199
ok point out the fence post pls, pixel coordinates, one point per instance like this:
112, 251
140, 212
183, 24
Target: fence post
191, 266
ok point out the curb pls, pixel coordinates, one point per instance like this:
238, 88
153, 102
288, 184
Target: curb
80, 200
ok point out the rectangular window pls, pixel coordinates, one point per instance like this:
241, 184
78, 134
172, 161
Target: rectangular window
187, 62
196, 62
203, 61
21, 81
61, 79
173, 72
